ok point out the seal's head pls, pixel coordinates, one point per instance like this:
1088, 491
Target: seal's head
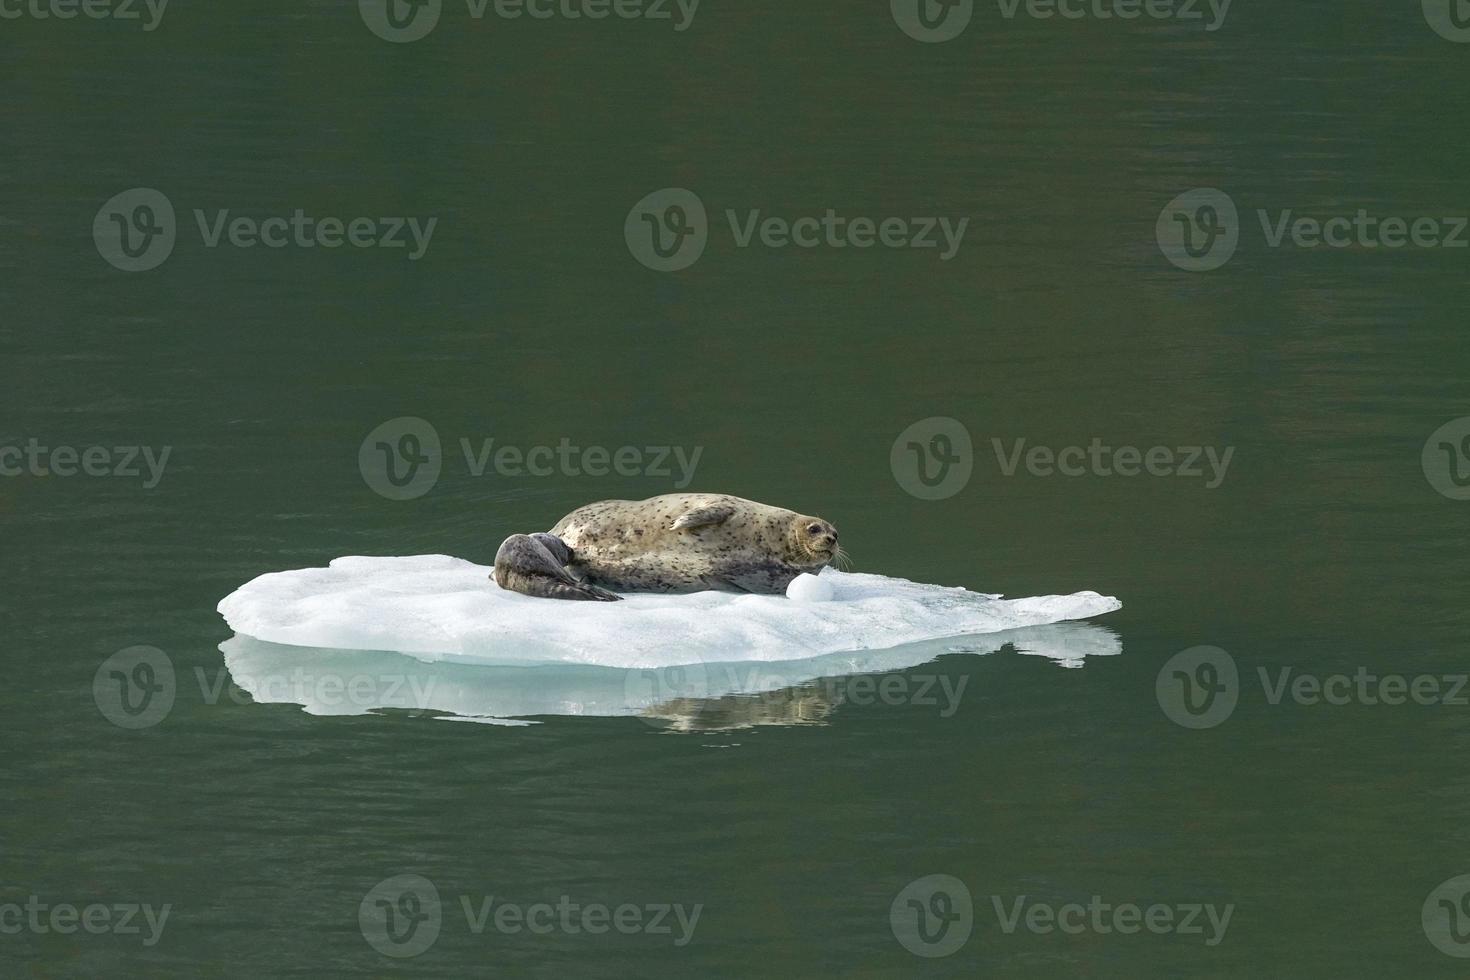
813, 542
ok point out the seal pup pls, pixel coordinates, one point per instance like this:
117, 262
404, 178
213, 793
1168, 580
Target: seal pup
676, 543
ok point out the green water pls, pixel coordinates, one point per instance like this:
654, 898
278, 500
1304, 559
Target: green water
527, 319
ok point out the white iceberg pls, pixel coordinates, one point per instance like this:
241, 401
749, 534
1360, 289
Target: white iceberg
437, 608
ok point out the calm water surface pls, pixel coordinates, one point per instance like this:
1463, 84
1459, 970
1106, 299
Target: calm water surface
1325, 549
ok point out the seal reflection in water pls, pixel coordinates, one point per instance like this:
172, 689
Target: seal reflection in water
805, 704
680, 542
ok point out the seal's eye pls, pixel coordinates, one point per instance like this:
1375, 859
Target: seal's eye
814, 529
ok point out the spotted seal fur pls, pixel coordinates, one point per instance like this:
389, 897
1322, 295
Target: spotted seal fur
676, 543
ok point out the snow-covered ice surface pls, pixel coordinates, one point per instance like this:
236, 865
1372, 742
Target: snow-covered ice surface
441, 609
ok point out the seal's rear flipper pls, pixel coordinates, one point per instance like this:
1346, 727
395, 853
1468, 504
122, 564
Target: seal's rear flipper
535, 565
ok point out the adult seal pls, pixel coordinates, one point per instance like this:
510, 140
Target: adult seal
680, 542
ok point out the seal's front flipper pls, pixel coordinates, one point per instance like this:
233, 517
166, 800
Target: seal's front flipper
535, 565
703, 517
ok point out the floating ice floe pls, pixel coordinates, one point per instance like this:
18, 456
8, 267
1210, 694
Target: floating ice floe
441, 609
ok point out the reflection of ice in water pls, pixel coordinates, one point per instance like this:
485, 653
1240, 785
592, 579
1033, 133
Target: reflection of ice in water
700, 696
1069, 644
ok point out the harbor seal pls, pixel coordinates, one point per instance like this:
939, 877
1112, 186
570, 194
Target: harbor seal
680, 542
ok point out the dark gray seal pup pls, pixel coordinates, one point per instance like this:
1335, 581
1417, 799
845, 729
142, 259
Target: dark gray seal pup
680, 542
